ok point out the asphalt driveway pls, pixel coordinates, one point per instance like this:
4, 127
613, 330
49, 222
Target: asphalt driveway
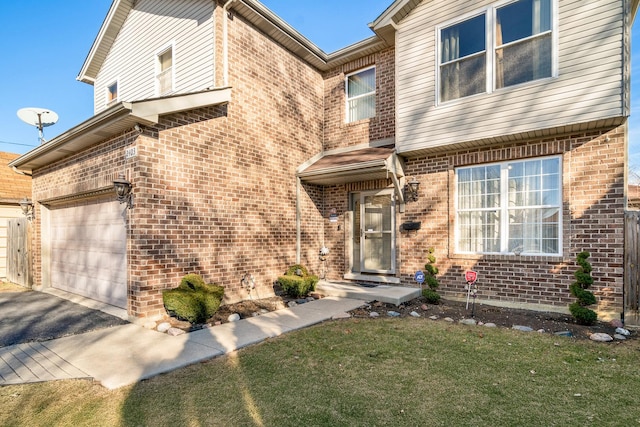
37, 316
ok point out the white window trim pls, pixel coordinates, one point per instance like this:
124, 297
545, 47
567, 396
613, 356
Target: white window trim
156, 58
108, 102
346, 93
490, 16
504, 209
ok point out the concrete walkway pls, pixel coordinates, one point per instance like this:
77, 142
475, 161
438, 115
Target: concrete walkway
122, 355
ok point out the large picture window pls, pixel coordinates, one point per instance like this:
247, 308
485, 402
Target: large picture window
512, 42
510, 208
361, 95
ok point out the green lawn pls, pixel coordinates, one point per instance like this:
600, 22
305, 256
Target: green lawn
365, 373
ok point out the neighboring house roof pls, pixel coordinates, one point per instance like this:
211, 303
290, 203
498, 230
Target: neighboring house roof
118, 118
13, 186
267, 21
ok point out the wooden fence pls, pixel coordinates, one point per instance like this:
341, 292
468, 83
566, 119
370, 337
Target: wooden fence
632, 268
19, 252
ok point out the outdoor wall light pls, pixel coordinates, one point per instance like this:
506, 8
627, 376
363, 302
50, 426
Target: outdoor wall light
27, 208
123, 190
411, 191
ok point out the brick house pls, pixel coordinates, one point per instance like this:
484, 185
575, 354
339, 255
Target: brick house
248, 149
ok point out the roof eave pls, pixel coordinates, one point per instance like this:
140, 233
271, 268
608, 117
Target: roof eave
110, 122
385, 25
111, 25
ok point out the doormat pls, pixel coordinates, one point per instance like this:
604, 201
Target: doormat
367, 285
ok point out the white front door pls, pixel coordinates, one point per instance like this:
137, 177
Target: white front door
374, 232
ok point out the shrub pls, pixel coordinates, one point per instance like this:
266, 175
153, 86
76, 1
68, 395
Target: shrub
297, 270
297, 282
578, 289
431, 296
191, 282
430, 271
194, 300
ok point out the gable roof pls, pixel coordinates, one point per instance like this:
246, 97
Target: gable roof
13, 186
109, 30
268, 22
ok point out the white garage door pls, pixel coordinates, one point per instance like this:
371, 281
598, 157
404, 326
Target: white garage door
88, 251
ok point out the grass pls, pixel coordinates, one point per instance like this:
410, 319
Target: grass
364, 373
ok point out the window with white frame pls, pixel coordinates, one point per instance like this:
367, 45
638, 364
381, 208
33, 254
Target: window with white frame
505, 45
510, 208
361, 94
112, 93
164, 75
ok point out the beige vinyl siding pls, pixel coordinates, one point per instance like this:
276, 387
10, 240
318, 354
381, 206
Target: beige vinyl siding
150, 26
589, 85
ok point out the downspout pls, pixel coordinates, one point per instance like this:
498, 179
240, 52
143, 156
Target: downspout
214, 21
225, 43
298, 216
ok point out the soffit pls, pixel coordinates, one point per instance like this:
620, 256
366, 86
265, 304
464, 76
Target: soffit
109, 30
268, 22
385, 24
117, 119
353, 166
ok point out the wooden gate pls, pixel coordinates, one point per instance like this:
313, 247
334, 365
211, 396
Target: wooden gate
632, 268
19, 252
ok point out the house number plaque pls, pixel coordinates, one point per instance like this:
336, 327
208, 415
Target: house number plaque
130, 152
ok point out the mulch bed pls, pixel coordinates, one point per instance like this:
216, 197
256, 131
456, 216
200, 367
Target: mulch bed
548, 322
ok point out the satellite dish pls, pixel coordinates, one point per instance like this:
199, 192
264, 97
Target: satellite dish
38, 117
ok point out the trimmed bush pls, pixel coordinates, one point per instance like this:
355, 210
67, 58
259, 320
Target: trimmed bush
193, 300
297, 270
191, 282
430, 271
578, 289
297, 282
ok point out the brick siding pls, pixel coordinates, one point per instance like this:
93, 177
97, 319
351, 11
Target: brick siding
214, 188
593, 220
338, 133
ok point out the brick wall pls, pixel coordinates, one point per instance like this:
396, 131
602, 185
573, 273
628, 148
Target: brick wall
593, 220
215, 188
338, 133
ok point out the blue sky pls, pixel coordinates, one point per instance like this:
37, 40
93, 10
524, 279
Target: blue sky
46, 42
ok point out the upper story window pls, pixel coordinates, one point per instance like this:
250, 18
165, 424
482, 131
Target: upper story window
503, 46
164, 74
510, 208
112, 93
361, 94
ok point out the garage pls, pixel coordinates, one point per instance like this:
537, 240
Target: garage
89, 250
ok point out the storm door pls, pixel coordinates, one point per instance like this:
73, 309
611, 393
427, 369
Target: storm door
374, 232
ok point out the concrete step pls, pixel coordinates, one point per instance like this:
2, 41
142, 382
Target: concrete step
383, 293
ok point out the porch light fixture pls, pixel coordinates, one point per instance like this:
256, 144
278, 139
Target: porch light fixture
27, 208
123, 190
411, 190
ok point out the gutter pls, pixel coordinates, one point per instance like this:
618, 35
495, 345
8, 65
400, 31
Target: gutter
19, 172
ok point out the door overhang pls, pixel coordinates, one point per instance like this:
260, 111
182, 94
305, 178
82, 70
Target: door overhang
365, 164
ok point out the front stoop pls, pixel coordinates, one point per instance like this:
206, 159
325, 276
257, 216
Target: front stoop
383, 293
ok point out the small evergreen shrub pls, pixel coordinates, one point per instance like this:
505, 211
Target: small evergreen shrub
578, 289
193, 300
430, 272
297, 282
